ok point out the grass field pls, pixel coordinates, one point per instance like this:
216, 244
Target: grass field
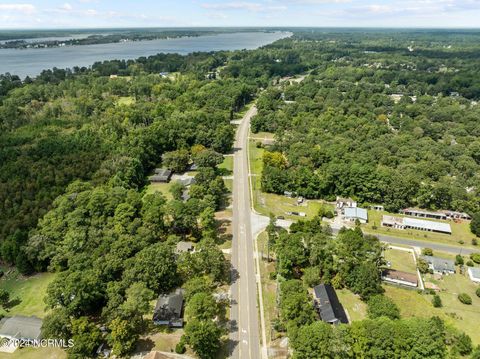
356, 309
126, 101
268, 288
29, 291
461, 316
163, 188
400, 260
460, 231
227, 165
35, 353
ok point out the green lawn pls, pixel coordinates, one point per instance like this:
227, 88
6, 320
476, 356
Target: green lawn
400, 260
125, 100
163, 188
461, 316
357, 310
460, 231
268, 288
227, 166
35, 353
30, 292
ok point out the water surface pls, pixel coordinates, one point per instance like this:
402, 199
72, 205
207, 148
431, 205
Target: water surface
30, 62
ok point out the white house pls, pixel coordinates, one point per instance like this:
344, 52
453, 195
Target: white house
474, 274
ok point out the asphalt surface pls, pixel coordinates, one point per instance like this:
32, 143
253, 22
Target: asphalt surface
422, 244
244, 336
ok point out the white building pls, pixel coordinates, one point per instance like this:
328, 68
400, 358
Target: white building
474, 274
354, 213
414, 223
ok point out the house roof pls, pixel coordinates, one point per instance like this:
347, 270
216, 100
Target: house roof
474, 272
440, 264
169, 306
184, 246
399, 275
330, 308
20, 326
356, 212
429, 225
187, 181
163, 172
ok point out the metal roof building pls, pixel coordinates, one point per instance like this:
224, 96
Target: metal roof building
474, 274
353, 213
414, 223
328, 306
169, 309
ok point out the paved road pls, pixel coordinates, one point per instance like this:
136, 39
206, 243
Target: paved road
244, 312
422, 244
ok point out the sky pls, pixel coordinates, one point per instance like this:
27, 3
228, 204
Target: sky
49, 14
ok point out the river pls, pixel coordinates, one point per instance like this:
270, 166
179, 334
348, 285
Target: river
30, 62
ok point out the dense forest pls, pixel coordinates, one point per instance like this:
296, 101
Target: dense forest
385, 117
394, 124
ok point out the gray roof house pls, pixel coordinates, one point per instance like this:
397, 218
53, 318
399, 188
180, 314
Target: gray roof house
440, 265
354, 213
161, 175
21, 327
169, 309
328, 306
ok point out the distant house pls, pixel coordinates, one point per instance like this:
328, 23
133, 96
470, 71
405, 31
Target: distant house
183, 247
328, 306
187, 181
161, 175
414, 223
169, 309
440, 215
354, 213
377, 207
345, 202
440, 265
193, 167
21, 327
474, 274
401, 278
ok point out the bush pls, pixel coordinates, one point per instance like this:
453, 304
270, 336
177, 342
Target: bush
475, 224
477, 292
475, 257
474, 242
381, 306
463, 344
465, 298
437, 301
311, 276
422, 266
470, 263
459, 260
427, 251
180, 347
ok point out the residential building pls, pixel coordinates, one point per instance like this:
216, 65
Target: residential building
345, 202
474, 274
414, 223
355, 213
161, 175
21, 327
328, 306
400, 278
440, 215
440, 265
169, 309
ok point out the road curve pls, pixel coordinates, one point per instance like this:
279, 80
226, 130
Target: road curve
244, 336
